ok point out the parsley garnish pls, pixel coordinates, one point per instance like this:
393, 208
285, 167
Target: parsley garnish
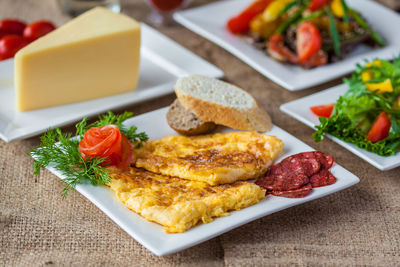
61, 151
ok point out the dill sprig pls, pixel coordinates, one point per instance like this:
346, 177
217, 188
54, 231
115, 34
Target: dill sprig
61, 151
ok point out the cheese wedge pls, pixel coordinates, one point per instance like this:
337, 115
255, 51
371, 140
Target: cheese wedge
94, 55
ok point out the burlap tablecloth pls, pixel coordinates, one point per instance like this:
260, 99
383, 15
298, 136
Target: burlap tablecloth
357, 226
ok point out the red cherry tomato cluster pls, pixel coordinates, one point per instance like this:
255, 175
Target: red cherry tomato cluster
15, 34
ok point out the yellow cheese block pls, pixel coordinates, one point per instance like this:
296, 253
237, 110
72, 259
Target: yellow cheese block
94, 55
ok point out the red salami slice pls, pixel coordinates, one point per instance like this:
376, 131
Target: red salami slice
326, 160
323, 178
284, 181
296, 193
300, 164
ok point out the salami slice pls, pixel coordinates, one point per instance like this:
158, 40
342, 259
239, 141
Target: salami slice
326, 160
296, 193
323, 178
300, 164
286, 180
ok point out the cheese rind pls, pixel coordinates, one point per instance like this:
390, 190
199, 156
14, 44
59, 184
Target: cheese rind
95, 55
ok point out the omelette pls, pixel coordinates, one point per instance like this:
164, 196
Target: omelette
179, 204
219, 158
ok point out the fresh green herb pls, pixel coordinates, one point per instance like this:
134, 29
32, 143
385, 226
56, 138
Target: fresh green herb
363, 24
346, 12
312, 15
288, 7
61, 151
292, 19
357, 109
334, 32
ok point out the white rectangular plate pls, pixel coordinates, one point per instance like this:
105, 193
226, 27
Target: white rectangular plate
153, 237
209, 21
162, 62
300, 110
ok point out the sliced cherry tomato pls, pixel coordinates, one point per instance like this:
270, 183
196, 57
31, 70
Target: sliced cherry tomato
323, 110
103, 142
317, 4
278, 50
308, 41
240, 23
10, 45
12, 26
318, 59
380, 128
38, 29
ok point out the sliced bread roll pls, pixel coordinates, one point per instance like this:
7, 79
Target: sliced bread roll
222, 103
185, 122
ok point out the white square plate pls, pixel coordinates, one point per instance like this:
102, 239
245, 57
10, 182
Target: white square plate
162, 62
209, 21
300, 110
152, 236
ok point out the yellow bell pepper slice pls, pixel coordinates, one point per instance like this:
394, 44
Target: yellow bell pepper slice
337, 8
382, 87
274, 8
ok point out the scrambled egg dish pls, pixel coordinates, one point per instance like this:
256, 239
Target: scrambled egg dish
215, 158
180, 204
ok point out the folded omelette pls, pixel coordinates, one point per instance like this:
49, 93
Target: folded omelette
214, 158
180, 204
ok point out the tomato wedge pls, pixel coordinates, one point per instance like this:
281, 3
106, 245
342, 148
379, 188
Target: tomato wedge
317, 4
308, 41
323, 110
240, 23
103, 142
278, 50
380, 128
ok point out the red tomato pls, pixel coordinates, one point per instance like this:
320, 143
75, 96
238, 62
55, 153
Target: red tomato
240, 23
323, 110
38, 29
12, 26
318, 59
317, 4
166, 6
380, 129
10, 45
278, 50
3, 33
103, 142
308, 41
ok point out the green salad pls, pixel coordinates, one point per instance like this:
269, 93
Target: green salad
368, 114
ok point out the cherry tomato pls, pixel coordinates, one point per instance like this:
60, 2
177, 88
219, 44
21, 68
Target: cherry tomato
380, 128
317, 4
240, 23
308, 41
3, 33
38, 29
12, 26
318, 59
323, 110
10, 45
278, 50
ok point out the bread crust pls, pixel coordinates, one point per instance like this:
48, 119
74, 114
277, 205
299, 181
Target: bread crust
198, 127
253, 119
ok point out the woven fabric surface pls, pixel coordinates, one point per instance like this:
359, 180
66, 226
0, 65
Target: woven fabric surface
357, 226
